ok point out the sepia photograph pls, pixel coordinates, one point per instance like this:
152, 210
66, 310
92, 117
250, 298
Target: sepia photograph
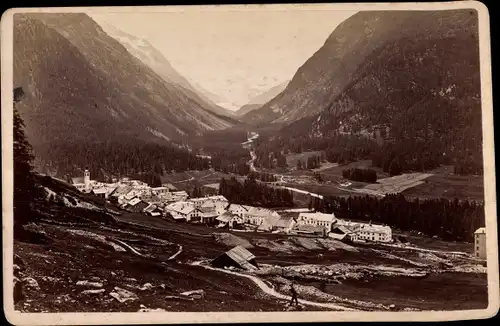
246, 163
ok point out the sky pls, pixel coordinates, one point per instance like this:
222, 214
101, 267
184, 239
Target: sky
235, 55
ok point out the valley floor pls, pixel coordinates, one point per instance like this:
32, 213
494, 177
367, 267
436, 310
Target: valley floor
148, 262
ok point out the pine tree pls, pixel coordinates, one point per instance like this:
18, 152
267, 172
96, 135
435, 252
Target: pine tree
24, 188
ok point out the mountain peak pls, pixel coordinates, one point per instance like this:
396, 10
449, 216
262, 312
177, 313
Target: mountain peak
323, 76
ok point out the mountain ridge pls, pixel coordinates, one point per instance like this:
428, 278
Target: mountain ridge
78, 77
412, 104
151, 56
261, 99
323, 76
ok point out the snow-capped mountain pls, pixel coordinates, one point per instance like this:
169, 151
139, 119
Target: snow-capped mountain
148, 54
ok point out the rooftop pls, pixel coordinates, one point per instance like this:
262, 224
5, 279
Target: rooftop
318, 216
308, 228
181, 207
259, 211
360, 226
480, 230
134, 202
122, 190
226, 217
241, 256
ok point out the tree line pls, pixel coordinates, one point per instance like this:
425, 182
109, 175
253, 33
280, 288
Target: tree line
394, 155
144, 161
263, 176
113, 158
253, 193
268, 157
362, 175
312, 162
452, 220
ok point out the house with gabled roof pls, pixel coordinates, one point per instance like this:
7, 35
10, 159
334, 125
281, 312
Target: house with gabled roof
183, 210
153, 210
238, 257
317, 219
135, 205
252, 215
229, 220
342, 233
119, 193
277, 224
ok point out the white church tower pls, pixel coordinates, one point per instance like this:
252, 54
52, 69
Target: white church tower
86, 179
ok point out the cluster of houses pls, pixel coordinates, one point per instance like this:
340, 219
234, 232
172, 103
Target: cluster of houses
131, 195
216, 211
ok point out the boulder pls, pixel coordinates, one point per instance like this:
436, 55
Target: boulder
143, 308
31, 283
91, 284
146, 286
123, 295
96, 291
195, 294
176, 297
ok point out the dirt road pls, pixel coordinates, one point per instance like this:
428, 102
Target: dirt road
270, 291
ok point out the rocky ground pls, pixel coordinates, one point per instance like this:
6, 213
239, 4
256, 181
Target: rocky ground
133, 262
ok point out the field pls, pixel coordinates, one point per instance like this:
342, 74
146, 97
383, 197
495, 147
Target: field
187, 180
393, 185
321, 189
443, 184
336, 171
437, 183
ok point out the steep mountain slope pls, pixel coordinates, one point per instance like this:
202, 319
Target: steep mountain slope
330, 70
83, 85
419, 95
261, 99
148, 54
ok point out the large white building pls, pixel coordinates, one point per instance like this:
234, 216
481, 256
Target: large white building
480, 243
368, 231
252, 215
183, 211
317, 219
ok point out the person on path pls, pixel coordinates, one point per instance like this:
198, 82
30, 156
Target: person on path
294, 295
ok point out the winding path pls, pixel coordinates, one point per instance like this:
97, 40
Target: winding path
176, 254
270, 291
135, 251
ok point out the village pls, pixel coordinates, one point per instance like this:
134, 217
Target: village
215, 211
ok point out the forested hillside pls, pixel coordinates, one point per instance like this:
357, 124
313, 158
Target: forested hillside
83, 89
412, 104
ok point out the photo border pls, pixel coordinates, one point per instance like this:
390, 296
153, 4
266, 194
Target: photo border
18, 318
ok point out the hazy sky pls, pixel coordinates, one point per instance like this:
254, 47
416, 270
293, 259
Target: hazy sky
233, 54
